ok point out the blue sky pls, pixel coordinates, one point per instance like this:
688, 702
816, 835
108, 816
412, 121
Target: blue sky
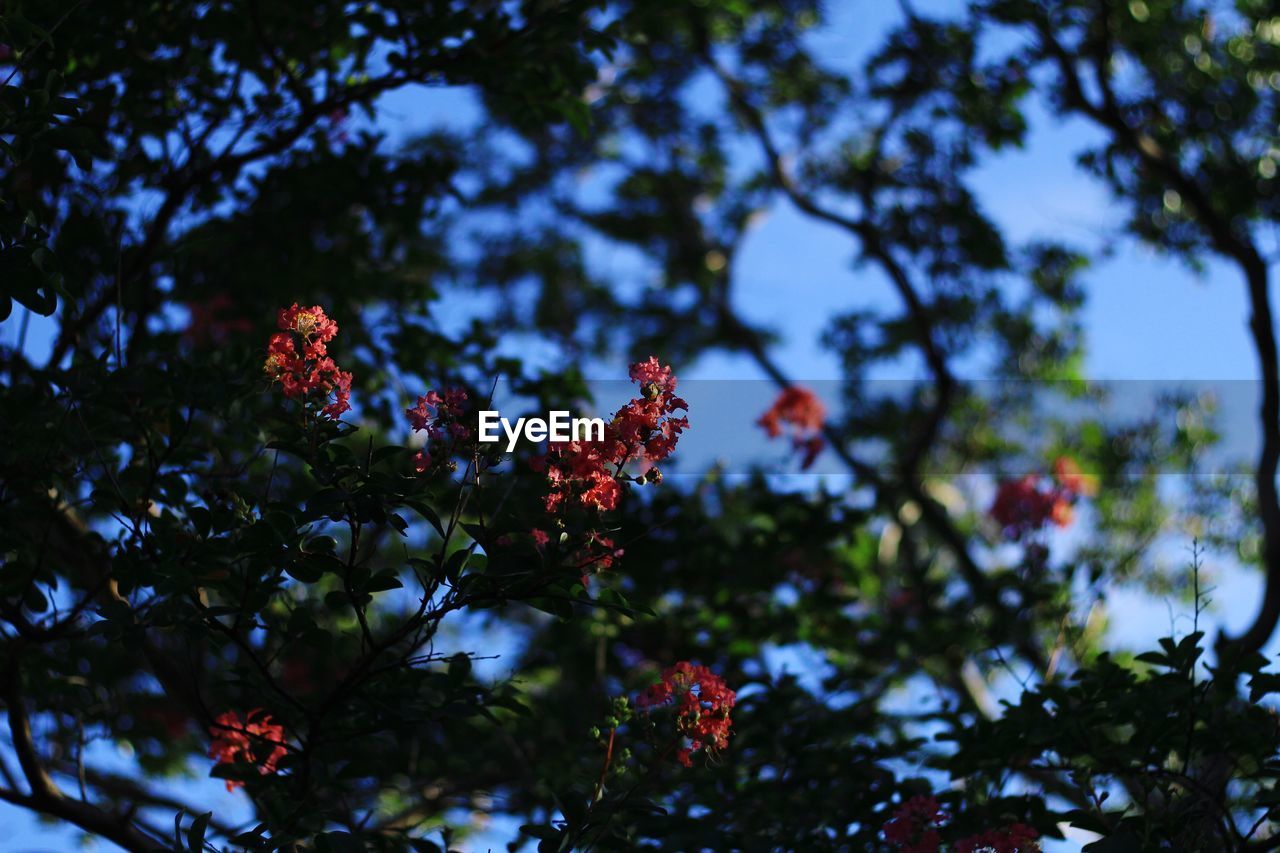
1147, 317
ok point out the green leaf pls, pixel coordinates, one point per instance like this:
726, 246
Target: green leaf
195, 835
387, 452
35, 599
1089, 821
454, 565
383, 581
201, 520
542, 833
428, 513
338, 842
1263, 683
305, 571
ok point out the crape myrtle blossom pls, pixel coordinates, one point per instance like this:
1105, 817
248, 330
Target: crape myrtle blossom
1073, 479
702, 705
595, 555
1017, 838
586, 473
914, 826
440, 416
252, 740
214, 320
1026, 505
298, 358
799, 413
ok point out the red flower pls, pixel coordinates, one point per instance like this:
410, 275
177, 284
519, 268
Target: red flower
173, 721
1062, 513
312, 371
247, 741
1072, 478
596, 555
540, 538
1018, 838
311, 323
213, 320
914, 826
341, 387
645, 430
297, 675
799, 412
440, 416
702, 703
1024, 506
650, 372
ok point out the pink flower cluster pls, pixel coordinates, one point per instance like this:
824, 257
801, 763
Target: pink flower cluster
645, 430
914, 829
298, 358
595, 555
914, 826
1017, 838
798, 412
1073, 479
214, 320
253, 740
440, 415
1026, 505
702, 703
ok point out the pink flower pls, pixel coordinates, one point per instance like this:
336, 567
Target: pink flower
213, 321
596, 555
312, 371
1024, 506
914, 826
1017, 838
310, 322
440, 416
1072, 478
702, 704
645, 430
253, 740
798, 412
650, 372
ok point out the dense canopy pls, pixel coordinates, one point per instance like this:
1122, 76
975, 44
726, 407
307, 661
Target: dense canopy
248, 530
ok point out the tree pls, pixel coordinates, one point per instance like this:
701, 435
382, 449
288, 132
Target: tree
249, 527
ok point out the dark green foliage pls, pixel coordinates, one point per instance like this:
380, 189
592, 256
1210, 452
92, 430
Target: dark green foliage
178, 540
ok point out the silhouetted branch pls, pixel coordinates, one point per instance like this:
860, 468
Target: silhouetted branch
46, 797
1230, 242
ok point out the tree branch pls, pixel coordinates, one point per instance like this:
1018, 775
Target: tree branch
46, 797
1233, 244
874, 247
